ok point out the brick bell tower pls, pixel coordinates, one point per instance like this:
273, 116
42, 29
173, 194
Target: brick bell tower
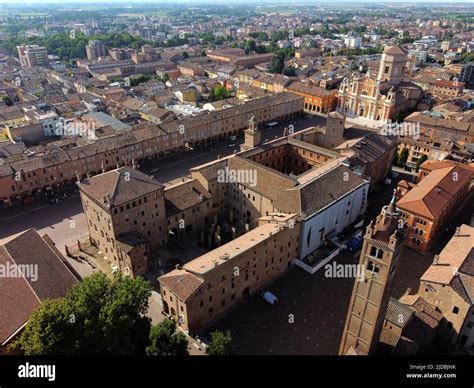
370, 296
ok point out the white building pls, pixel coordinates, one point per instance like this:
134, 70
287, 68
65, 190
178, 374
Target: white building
419, 56
339, 198
353, 42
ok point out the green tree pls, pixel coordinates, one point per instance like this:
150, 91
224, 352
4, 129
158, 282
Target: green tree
289, 71
395, 158
97, 316
7, 100
218, 92
69, 47
403, 157
219, 40
277, 64
165, 341
250, 46
164, 78
420, 161
140, 79
221, 344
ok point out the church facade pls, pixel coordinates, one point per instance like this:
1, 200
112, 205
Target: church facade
380, 97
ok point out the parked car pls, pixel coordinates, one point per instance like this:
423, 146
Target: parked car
354, 244
269, 297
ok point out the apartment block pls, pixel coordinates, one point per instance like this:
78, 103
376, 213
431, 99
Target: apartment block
33, 55
95, 49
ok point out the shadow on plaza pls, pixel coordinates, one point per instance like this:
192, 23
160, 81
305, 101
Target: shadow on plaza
19, 218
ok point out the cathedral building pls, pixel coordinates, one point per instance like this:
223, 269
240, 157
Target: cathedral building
380, 97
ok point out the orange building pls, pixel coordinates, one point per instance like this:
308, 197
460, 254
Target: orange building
316, 99
429, 204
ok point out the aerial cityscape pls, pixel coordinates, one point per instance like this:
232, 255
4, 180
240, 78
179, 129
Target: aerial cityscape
247, 178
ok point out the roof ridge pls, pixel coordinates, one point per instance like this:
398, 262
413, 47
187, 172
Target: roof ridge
116, 183
22, 275
464, 286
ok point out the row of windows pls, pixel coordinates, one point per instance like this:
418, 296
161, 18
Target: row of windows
133, 204
223, 290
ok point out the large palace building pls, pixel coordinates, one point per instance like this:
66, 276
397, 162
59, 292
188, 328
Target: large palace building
381, 96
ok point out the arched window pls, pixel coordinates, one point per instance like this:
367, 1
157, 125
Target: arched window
375, 252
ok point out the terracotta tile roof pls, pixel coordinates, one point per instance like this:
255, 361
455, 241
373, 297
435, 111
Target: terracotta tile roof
181, 283
429, 314
394, 50
443, 124
184, 195
434, 192
55, 157
398, 313
327, 188
369, 148
130, 240
209, 170
388, 337
270, 183
452, 259
463, 284
431, 165
17, 299
20, 296
132, 103
311, 90
54, 278
119, 186
146, 131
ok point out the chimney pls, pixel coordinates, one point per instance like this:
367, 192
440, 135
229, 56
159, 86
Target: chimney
435, 260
